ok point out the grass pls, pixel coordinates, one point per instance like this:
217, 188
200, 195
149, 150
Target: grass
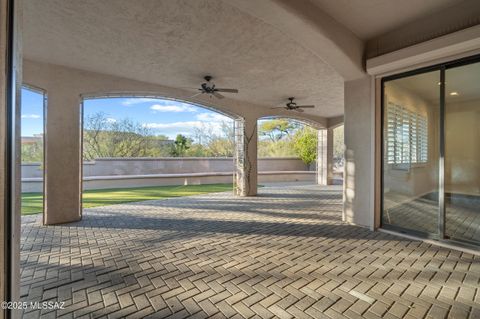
32, 203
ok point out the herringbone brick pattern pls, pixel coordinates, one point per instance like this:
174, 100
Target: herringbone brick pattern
462, 221
283, 254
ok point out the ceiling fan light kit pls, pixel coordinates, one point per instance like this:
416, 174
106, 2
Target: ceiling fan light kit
208, 87
291, 105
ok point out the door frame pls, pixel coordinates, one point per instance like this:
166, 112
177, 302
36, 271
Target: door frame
442, 67
11, 153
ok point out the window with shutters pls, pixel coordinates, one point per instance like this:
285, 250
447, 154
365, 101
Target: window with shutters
406, 136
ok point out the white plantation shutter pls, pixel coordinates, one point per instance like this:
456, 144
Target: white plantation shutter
406, 136
422, 139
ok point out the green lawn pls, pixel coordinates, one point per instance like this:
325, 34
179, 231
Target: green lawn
32, 202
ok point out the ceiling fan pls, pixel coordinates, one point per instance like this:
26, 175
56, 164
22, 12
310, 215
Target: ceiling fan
208, 87
293, 106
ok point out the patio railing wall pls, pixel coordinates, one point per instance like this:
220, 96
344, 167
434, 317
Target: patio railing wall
133, 172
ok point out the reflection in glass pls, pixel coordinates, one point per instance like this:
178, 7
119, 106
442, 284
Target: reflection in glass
410, 158
462, 153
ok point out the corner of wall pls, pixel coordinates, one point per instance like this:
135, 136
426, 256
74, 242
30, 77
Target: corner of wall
358, 196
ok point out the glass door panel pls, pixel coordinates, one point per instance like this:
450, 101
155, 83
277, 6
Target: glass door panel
462, 153
32, 149
411, 112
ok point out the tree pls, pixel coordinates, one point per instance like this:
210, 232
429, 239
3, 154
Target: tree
122, 138
32, 152
104, 137
284, 137
277, 129
222, 143
305, 144
211, 141
281, 148
129, 139
180, 146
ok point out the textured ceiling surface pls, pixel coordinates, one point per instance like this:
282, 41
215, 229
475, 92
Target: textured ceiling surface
371, 18
174, 43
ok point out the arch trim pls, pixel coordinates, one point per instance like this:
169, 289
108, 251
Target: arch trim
314, 124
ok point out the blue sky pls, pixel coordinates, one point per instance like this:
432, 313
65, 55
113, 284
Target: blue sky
164, 117
32, 113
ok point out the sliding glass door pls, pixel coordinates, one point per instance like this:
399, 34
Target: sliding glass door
462, 153
431, 152
410, 166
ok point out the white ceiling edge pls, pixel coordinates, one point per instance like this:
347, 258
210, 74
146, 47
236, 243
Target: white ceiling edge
442, 49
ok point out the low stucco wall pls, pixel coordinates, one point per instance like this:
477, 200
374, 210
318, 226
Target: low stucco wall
170, 165
138, 172
33, 185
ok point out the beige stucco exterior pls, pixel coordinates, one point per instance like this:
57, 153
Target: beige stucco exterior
137, 172
331, 68
66, 87
327, 39
358, 182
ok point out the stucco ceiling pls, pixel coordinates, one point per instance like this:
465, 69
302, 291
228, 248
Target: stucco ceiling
174, 43
371, 18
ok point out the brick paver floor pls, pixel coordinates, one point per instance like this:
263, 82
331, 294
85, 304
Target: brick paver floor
421, 214
283, 254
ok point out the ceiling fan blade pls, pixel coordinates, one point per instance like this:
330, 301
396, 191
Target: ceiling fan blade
278, 107
188, 87
217, 95
306, 106
298, 110
227, 90
196, 94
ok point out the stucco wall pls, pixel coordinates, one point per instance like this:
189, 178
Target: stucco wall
65, 88
462, 168
358, 182
168, 165
137, 172
35, 185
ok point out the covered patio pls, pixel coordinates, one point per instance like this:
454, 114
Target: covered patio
296, 251
285, 254
78, 51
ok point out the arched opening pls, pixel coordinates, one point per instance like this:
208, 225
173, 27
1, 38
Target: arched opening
138, 148
287, 152
33, 103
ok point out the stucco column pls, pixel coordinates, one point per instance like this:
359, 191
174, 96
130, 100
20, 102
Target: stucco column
62, 155
325, 157
359, 174
246, 157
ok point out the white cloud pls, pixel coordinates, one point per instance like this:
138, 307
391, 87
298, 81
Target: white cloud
176, 125
138, 100
210, 121
173, 107
162, 105
110, 120
171, 130
30, 116
212, 117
